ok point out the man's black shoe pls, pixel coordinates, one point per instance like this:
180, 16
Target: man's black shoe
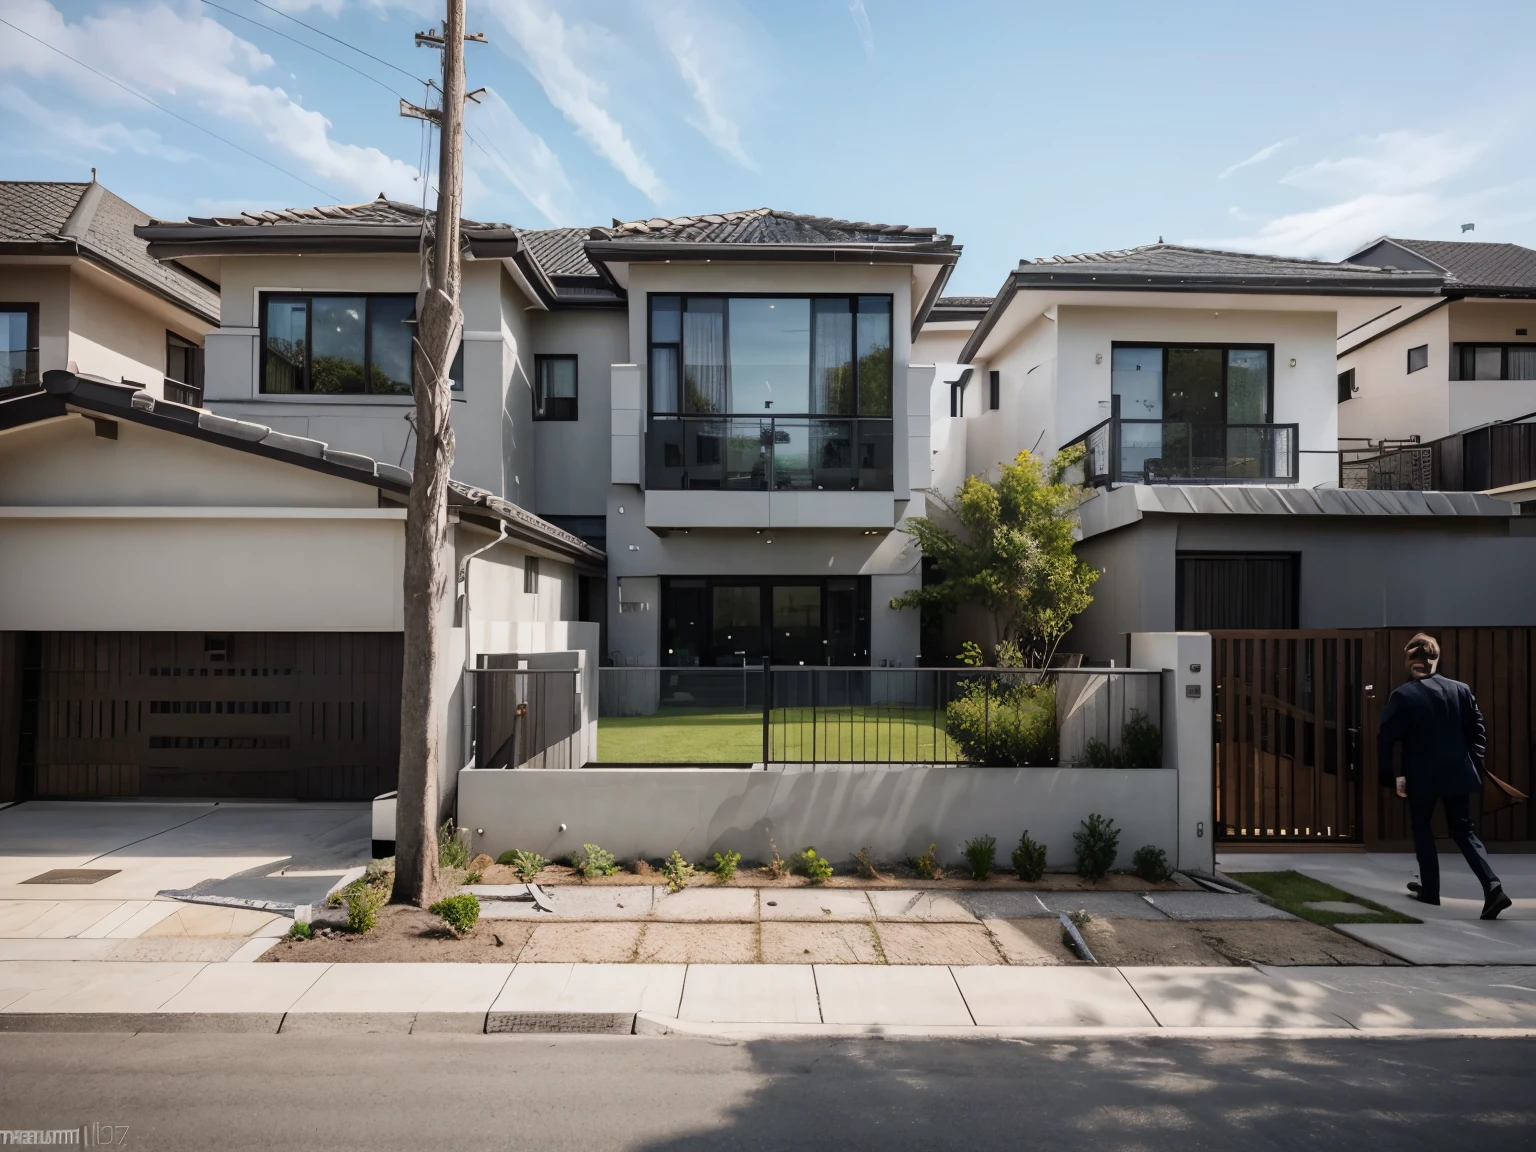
1417, 890
1495, 904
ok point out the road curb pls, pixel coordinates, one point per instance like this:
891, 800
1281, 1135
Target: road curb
268, 1022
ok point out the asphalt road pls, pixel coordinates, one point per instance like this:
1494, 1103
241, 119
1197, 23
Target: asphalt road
590, 1094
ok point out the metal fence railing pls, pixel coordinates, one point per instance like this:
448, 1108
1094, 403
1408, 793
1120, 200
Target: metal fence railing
1088, 717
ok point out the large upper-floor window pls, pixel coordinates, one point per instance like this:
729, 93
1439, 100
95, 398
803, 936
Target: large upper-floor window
1204, 384
771, 355
336, 345
18, 346
1493, 362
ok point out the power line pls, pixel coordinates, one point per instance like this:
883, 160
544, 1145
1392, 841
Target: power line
338, 40
174, 115
303, 44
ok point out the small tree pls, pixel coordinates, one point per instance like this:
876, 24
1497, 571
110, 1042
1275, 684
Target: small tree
1010, 552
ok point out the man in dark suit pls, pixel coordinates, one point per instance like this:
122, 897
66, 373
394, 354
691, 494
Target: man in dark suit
1437, 722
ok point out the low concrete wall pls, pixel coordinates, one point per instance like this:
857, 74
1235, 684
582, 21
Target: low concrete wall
896, 811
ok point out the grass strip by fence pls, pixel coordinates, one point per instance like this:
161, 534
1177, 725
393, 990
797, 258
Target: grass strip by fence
1292, 892
872, 733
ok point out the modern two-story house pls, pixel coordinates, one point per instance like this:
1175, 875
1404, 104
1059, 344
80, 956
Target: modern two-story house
1202, 388
79, 291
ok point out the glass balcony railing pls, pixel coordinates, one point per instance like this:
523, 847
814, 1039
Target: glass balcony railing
1176, 451
769, 454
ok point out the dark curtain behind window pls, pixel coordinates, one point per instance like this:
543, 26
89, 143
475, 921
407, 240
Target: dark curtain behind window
1258, 592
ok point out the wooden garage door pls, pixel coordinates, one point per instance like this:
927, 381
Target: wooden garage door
255, 715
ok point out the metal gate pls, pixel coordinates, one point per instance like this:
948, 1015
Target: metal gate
254, 715
1296, 716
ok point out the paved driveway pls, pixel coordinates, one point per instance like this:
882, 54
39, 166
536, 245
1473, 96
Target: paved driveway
152, 847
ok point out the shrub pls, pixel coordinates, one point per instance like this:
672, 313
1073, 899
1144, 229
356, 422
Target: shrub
507, 857
1098, 843
677, 871
640, 866
927, 865
1029, 858
1141, 746
363, 903
472, 877
725, 866
1151, 863
865, 865
452, 851
460, 912
979, 854
300, 930
817, 869
527, 865
593, 861
1001, 722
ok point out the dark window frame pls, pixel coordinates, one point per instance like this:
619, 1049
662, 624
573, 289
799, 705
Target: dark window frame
539, 400
530, 575
1346, 385
1424, 348
33, 372
1293, 607
1224, 346
1462, 351
994, 390
265, 298
863, 587
852, 297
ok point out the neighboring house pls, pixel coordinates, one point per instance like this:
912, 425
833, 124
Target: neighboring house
683, 392
78, 290
1429, 368
192, 605
1202, 386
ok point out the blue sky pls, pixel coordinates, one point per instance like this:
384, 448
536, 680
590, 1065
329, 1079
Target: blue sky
1025, 129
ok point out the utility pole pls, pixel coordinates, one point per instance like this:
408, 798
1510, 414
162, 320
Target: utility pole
428, 543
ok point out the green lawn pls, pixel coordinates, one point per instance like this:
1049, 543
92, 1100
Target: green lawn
1292, 892
724, 736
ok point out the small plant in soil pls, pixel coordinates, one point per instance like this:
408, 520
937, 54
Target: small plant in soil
980, 852
527, 865
593, 862
640, 866
459, 912
452, 851
864, 863
817, 869
927, 865
677, 871
778, 867
1098, 843
300, 930
363, 903
1151, 863
1029, 858
471, 877
725, 867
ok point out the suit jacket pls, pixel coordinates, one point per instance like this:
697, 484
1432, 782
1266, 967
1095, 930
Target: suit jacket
1437, 722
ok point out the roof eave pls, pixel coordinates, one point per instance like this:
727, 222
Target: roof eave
648, 252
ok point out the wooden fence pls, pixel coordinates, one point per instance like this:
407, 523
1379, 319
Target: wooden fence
1296, 715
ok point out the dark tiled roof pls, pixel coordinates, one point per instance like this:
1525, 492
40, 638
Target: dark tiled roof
559, 251
769, 226
377, 213
37, 212
964, 302
1173, 260
1476, 264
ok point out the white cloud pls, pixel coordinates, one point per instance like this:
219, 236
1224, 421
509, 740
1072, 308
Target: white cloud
1397, 183
508, 148
182, 57
1258, 157
716, 66
550, 50
861, 22
59, 132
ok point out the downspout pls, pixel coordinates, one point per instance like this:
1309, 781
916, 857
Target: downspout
463, 615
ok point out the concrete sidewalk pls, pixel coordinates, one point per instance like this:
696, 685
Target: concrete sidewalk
1451, 932
91, 996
